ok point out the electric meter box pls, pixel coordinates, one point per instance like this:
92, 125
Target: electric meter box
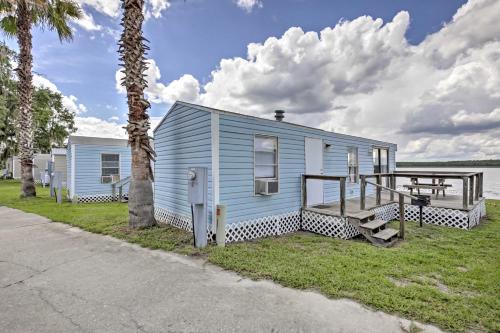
197, 185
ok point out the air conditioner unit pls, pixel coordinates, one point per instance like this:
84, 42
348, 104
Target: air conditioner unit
266, 186
106, 179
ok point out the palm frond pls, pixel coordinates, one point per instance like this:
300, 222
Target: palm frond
58, 16
8, 25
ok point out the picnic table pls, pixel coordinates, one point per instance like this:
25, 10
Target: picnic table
440, 186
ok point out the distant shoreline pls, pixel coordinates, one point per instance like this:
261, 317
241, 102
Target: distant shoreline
451, 164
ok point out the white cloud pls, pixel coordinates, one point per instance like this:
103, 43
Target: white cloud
107, 7
437, 99
87, 22
92, 126
186, 88
69, 102
156, 7
249, 5
112, 9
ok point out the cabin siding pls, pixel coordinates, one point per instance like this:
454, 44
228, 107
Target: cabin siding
237, 165
88, 165
182, 140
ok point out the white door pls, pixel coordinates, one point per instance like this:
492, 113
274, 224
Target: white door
314, 166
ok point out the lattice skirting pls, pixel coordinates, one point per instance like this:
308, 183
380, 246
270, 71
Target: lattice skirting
454, 218
327, 225
333, 226
239, 231
262, 227
97, 197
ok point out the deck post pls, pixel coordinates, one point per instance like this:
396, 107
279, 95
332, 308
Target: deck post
362, 190
401, 216
476, 196
120, 193
471, 190
392, 181
304, 191
433, 183
379, 190
465, 187
481, 184
342, 197
113, 191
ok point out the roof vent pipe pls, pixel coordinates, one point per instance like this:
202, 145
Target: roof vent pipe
279, 115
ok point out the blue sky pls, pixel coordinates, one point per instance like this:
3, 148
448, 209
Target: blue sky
193, 36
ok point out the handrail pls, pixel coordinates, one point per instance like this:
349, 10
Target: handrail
340, 179
392, 190
119, 184
122, 182
472, 188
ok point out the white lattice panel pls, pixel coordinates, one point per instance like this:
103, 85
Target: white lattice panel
476, 214
327, 225
262, 227
245, 230
439, 216
98, 197
386, 212
176, 220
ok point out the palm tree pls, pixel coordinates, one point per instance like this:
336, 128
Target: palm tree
132, 49
18, 18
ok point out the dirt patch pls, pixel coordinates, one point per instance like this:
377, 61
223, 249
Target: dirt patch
400, 282
462, 269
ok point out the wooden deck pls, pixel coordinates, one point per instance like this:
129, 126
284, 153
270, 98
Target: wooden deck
353, 205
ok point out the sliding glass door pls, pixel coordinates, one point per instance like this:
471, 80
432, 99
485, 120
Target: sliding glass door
380, 160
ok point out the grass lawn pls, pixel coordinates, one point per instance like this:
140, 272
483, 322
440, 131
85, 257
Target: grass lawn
443, 276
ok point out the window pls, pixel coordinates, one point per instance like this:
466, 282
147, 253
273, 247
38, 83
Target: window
110, 168
352, 164
380, 160
266, 157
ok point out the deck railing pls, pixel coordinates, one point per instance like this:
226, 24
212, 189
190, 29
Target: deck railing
340, 179
472, 183
119, 184
401, 199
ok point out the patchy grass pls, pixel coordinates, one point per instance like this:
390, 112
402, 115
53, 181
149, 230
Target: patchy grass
103, 218
443, 276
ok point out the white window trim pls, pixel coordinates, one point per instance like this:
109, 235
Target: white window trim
357, 165
119, 164
277, 178
215, 140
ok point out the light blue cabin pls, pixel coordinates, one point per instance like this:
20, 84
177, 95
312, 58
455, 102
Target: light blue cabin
255, 167
93, 164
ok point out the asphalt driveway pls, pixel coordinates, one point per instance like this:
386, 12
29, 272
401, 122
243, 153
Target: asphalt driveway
56, 278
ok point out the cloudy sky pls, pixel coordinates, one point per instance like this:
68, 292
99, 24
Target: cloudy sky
422, 74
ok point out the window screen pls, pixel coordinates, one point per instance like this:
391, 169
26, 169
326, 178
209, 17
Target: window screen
352, 163
266, 156
110, 165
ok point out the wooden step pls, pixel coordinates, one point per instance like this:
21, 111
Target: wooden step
386, 234
374, 224
363, 215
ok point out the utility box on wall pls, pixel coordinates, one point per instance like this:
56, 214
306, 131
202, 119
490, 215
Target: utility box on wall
197, 197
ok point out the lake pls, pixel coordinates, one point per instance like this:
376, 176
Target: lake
491, 183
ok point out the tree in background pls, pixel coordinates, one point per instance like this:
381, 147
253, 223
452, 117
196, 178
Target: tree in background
132, 50
8, 104
52, 122
18, 18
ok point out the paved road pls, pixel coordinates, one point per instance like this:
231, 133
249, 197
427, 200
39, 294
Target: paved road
55, 278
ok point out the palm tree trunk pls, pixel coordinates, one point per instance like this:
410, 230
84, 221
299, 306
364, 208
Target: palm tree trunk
25, 88
132, 50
